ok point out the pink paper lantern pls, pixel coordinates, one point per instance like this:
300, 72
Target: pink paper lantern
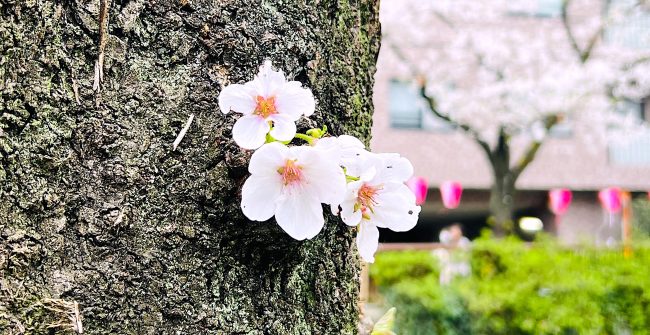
610, 199
419, 186
559, 200
451, 191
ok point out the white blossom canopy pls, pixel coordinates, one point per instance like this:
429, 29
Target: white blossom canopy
493, 66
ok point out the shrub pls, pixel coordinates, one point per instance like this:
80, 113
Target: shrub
518, 288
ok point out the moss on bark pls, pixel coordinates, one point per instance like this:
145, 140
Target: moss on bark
95, 208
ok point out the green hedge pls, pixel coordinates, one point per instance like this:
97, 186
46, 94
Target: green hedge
517, 288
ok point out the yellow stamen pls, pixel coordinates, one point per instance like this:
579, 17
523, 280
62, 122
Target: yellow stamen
366, 200
290, 172
265, 106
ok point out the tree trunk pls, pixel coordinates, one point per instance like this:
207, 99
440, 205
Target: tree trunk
95, 207
502, 207
503, 188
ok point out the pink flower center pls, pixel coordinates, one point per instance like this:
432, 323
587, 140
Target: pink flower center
265, 106
291, 172
366, 199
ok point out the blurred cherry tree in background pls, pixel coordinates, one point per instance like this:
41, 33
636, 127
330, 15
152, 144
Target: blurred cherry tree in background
505, 81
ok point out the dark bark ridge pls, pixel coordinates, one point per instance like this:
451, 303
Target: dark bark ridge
96, 208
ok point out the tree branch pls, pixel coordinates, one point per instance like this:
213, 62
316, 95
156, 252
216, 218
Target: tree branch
592, 43
567, 27
415, 72
465, 127
583, 54
532, 149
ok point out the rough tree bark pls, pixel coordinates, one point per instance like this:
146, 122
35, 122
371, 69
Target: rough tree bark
95, 207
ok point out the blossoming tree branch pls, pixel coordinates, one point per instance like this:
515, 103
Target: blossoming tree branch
292, 182
508, 85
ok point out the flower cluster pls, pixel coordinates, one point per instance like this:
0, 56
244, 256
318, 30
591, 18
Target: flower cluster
291, 183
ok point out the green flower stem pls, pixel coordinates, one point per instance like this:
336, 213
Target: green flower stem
305, 137
351, 178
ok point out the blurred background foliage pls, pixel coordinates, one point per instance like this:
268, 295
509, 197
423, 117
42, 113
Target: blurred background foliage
521, 288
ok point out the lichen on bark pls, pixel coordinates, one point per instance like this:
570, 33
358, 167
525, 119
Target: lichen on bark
96, 208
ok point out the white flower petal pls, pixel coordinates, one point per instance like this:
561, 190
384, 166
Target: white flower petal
347, 150
367, 241
364, 165
350, 142
335, 209
268, 158
394, 168
300, 214
249, 132
284, 127
368, 174
295, 100
395, 208
239, 98
324, 177
349, 216
268, 82
329, 146
259, 196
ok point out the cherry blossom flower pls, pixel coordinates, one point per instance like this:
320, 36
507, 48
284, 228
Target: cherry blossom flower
348, 150
268, 99
379, 199
290, 183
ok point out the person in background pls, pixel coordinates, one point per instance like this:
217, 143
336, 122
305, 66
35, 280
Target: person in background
453, 257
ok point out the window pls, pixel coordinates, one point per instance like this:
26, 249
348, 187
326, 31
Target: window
549, 8
404, 109
407, 109
561, 130
633, 32
630, 108
636, 151
538, 8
